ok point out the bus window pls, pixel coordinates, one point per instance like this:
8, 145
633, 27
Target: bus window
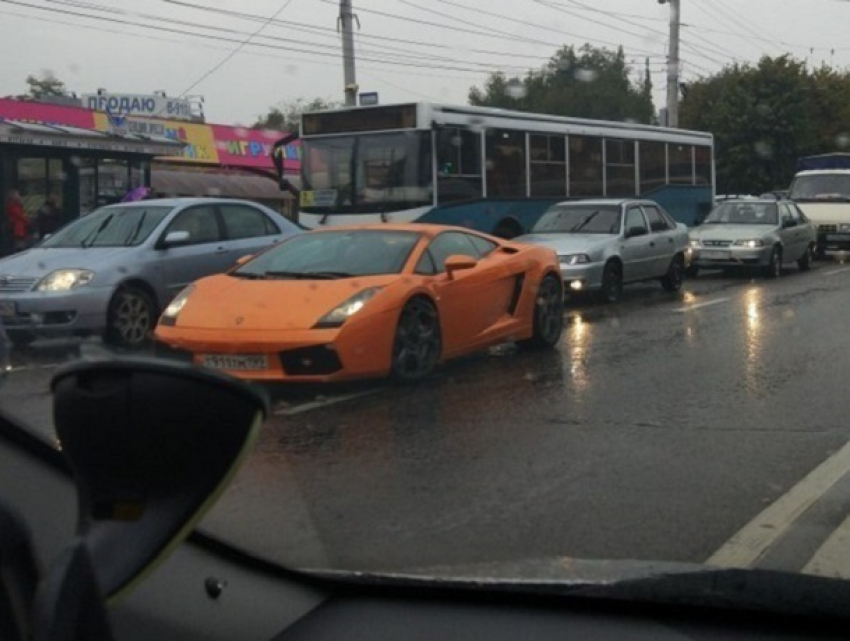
585, 166
620, 167
681, 164
505, 164
653, 165
458, 165
548, 164
702, 166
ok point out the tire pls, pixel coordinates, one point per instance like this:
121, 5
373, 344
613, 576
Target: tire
418, 344
548, 320
675, 276
21, 338
774, 266
692, 271
131, 319
612, 282
805, 263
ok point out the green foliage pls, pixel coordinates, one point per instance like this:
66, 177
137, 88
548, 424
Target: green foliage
46, 85
287, 115
587, 83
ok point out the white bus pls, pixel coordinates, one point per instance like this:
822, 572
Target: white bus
490, 169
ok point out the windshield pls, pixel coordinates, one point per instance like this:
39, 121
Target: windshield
743, 213
814, 188
110, 227
367, 173
579, 219
334, 254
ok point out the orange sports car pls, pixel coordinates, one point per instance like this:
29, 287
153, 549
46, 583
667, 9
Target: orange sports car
367, 301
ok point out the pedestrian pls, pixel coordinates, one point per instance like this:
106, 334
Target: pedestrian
48, 218
17, 220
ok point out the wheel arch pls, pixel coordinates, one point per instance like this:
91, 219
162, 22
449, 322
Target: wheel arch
142, 284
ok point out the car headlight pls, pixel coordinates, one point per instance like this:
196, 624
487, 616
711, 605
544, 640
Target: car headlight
64, 279
696, 243
169, 316
752, 243
342, 312
574, 259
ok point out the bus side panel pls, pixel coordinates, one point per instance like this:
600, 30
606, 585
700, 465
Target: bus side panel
685, 203
486, 215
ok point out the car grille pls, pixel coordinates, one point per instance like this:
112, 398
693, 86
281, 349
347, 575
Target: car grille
316, 360
12, 284
828, 228
717, 243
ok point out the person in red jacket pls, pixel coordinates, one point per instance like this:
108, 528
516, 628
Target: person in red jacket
17, 220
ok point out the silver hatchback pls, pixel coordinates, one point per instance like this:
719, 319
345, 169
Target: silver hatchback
758, 234
113, 270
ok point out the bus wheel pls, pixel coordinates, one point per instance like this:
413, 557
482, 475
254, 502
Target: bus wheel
507, 229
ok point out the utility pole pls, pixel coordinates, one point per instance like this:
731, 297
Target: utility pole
346, 24
673, 63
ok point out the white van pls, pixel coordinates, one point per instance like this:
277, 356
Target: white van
822, 190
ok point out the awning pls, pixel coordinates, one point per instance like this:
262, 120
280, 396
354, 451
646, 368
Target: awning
16, 132
169, 182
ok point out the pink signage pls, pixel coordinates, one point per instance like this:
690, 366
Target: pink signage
241, 147
47, 114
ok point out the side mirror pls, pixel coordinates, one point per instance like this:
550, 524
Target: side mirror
788, 222
244, 259
631, 232
152, 444
175, 238
458, 263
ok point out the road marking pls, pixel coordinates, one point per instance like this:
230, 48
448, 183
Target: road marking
333, 400
752, 541
832, 272
707, 303
832, 559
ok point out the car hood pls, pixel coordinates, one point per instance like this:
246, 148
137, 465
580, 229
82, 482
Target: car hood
829, 212
227, 302
732, 232
565, 244
38, 262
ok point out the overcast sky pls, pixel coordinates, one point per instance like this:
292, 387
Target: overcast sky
402, 53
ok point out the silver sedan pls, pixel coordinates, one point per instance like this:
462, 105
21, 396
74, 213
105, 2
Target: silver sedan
758, 234
604, 244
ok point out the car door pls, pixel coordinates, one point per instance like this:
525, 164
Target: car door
471, 300
663, 244
248, 230
792, 233
203, 254
637, 247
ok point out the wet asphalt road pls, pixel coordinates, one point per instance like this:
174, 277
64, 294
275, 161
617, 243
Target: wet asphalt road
659, 428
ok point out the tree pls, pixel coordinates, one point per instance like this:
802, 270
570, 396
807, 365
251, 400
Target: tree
589, 83
286, 116
766, 116
46, 85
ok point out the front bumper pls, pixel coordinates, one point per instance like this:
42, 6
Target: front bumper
47, 313
360, 349
578, 278
833, 240
730, 257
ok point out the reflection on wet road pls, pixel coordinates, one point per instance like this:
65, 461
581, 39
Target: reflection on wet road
660, 428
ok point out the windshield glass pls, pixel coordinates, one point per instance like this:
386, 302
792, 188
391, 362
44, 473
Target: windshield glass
110, 227
579, 219
820, 187
367, 173
329, 254
743, 213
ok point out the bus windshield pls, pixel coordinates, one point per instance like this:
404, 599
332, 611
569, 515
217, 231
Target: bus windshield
367, 173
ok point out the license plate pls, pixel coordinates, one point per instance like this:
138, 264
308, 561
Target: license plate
839, 237
714, 255
236, 362
8, 308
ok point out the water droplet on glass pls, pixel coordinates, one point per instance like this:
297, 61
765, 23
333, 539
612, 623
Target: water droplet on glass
241, 131
515, 89
842, 140
213, 191
75, 160
290, 69
457, 141
763, 109
586, 75
764, 149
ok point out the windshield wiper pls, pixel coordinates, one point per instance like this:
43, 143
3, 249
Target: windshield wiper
585, 222
309, 275
248, 275
93, 236
137, 229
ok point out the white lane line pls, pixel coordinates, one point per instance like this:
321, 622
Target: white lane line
333, 400
832, 559
708, 303
833, 272
752, 541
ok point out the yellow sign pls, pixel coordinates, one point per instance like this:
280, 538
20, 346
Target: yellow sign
307, 199
197, 138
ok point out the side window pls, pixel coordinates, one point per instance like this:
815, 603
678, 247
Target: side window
241, 221
799, 212
785, 213
451, 244
635, 219
483, 245
426, 264
201, 223
793, 212
657, 222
